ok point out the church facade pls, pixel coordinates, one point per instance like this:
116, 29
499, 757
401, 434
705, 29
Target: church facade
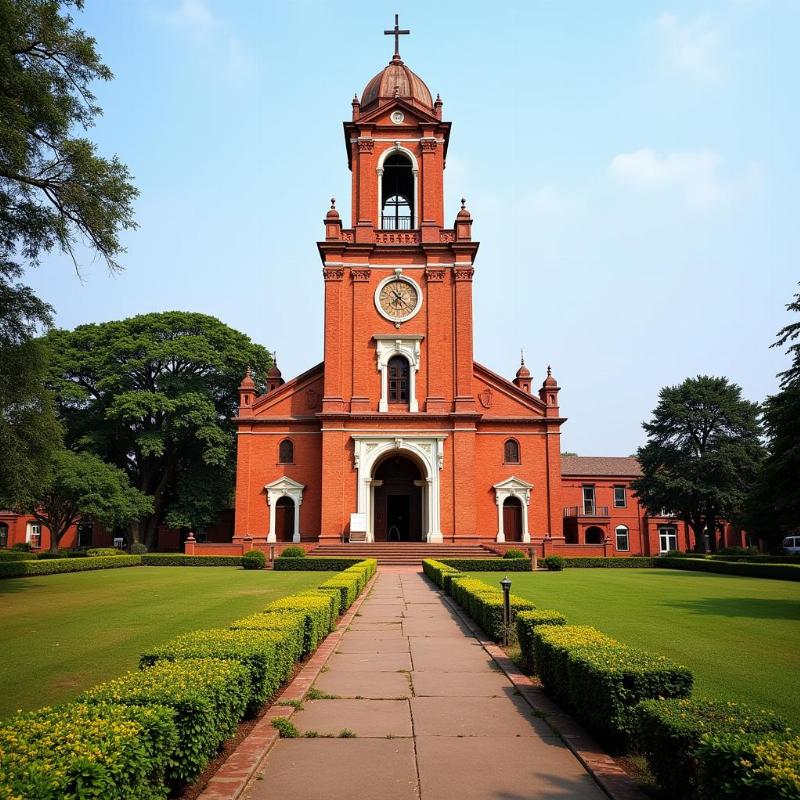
399, 434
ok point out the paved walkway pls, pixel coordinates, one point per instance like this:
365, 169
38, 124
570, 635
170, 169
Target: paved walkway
433, 717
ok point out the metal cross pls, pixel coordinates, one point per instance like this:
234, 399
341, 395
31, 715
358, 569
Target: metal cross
397, 33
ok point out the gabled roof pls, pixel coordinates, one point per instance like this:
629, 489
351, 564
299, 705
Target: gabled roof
601, 466
289, 387
507, 386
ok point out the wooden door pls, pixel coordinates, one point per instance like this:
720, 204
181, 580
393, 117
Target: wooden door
512, 519
284, 519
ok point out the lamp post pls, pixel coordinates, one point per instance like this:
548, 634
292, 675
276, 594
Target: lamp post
506, 584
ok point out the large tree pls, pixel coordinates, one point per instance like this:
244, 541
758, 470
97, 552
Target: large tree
774, 507
702, 454
82, 485
155, 394
56, 192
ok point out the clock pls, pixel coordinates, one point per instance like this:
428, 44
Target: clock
398, 298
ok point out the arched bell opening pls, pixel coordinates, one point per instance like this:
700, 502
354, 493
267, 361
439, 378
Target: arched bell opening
397, 194
399, 500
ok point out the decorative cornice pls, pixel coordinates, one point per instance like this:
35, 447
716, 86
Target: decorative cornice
434, 275
360, 275
463, 273
366, 145
428, 145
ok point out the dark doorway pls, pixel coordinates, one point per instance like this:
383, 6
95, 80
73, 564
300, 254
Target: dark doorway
398, 501
512, 519
284, 519
595, 535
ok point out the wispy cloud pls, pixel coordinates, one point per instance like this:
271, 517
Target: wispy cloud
695, 176
691, 47
196, 19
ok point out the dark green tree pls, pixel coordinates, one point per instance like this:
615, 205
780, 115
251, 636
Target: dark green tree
774, 506
55, 193
83, 485
702, 455
155, 395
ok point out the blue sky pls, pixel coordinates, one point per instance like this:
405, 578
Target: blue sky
631, 168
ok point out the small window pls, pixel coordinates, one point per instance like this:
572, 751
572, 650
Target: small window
667, 538
588, 501
3, 534
34, 535
620, 499
622, 538
85, 534
511, 452
398, 379
286, 452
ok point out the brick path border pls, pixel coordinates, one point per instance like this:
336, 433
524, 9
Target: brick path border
231, 779
608, 775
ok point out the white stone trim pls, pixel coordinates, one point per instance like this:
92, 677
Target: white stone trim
284, 487
389, 345
427, 451
513, 487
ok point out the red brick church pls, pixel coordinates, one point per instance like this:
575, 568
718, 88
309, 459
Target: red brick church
399, 435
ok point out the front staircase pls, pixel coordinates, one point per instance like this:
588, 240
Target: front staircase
401, 553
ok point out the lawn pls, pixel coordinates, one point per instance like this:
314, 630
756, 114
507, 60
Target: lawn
740, 636
62, 633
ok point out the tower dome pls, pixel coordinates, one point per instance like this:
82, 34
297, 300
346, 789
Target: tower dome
397, 80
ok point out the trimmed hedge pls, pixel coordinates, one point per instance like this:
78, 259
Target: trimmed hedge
602, 680
527, 622
268, 655
207, 698
488, 564
292, 552
181, 560
759, 559
749, 767
344, 589
290, 622
670, 733
484, 603
17, 555
781, 572
18, 569
319, 609
83, 751
611, 562
315, 563
97, 552
254, 559
436, 570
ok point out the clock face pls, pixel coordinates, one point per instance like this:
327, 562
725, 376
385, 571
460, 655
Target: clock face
398, 299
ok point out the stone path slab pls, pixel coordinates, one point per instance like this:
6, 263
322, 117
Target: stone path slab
461, 731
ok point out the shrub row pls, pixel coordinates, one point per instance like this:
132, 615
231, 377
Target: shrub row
527, 622
783, 572
16, 555
315, 563
602, 680
758, 559
181, 560
690, 744
348, 584
619, 562
484, 603
17, 569
488, 564
148, 732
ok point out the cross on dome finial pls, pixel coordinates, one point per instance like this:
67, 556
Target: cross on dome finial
333, 202
549, 371
397, 33
521, 357
463, 203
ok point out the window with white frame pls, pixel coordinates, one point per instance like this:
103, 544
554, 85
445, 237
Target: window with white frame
3, 534
34, 534
667, 538
620, 497
588, 501
622, 537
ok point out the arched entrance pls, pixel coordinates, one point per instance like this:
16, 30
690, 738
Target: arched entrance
594, 535
284, 519
512, 519
397, 500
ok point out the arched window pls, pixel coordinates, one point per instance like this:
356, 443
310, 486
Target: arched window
286, 452
397, 194
622, 537
398, 379
3, 534
511, 452
594, 535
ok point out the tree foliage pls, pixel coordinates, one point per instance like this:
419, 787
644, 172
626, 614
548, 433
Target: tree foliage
774, 505
83, 485
702, 454
154, 395
55, 190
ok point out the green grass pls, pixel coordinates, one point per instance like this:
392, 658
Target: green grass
60, 634
740, 636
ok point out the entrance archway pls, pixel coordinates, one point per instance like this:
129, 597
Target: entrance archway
397, 500
594, 535
284, 519
512, 519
